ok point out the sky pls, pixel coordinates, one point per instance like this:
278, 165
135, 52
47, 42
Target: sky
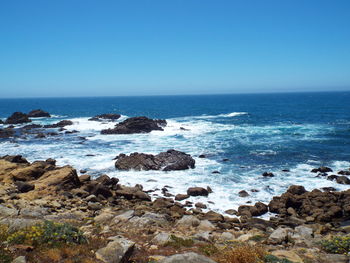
171, 47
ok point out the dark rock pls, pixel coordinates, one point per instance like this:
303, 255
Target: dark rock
100, 189
106, 180
83, 171
202, 156
200, 205
15, 159
209, 190
59, 124
342, 180
215, 172
296, 190
84, 178
344, 172
38, 113
106, 116
6, 133
166, 161
286, 170
197, 191
266, 174
136, 125
322, 169
51, 161
329, 189
180, 197
1, 122
243, 193
213, 216
24, 187
231, 212
17, 118
32, 126
225, 160
332, 177
40, 135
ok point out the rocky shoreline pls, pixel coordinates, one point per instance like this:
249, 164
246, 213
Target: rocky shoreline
130, 226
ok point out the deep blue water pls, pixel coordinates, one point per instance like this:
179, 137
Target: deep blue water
256, 132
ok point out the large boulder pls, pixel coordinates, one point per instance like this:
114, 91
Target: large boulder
17, 118
106, 116
197, 191
38, 113
166, 161
136, 125
117, 251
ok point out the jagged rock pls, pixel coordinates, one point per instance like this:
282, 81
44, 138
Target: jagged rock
296, 189
257, 210
197, 191
166, 161
106, 116
17, 118
117, 251
15, 159
189, 257
322, 169
344, 172
38, 113
59, 124
136, 125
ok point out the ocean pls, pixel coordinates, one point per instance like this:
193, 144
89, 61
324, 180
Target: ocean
241, 135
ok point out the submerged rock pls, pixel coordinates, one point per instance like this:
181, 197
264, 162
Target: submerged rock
136, 125
322, 169
6, 133
38, 113
59, 124
106, 116
166, 161
18, 118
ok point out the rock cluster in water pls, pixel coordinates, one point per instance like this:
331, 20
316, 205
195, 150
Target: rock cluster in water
166, 161
136, 125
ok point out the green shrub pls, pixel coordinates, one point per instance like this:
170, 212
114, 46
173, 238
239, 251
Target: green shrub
48, 233
209, 250
178, 242
337, 245
274, 259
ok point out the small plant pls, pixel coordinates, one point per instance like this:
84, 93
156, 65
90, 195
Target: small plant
48, 233
243, 254
274, 259
178, 242
209, 250
257, 238
337, 245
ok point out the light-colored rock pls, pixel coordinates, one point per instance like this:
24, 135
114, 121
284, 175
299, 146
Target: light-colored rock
188, 221
302, 232
279, 235
285, 254
206, 225
20, 259
186, 257
124, 216
161, 238
103, 217
117, 251
6, 211
245, 237
149, 219
15, 224
36, 212
203, 236
226, 236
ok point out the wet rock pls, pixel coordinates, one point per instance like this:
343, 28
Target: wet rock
189, 257
51, 161
202, 156
322, 169
296, 189
344, 172
24, 187
117, 251
197, 191
84, 178
17, 118
106, 116
266, 174
32, 126
38, 113
136, 125
257, 210
180, 197
215, 172
342, 180
40, 135
166, 161
15, 159
231, 212
59, 124
243, 193
200, 205
6, 133
328, 189
106, 180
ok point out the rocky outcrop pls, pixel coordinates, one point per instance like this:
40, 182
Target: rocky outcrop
6, 133
106, 116
166, 161
136, 125
312, 206
17, 118
39, 113
59, 124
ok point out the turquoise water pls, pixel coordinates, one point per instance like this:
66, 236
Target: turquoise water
257, 133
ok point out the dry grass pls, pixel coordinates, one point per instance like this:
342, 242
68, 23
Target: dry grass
242, 254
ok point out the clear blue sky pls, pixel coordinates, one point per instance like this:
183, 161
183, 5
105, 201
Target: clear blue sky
156, 47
